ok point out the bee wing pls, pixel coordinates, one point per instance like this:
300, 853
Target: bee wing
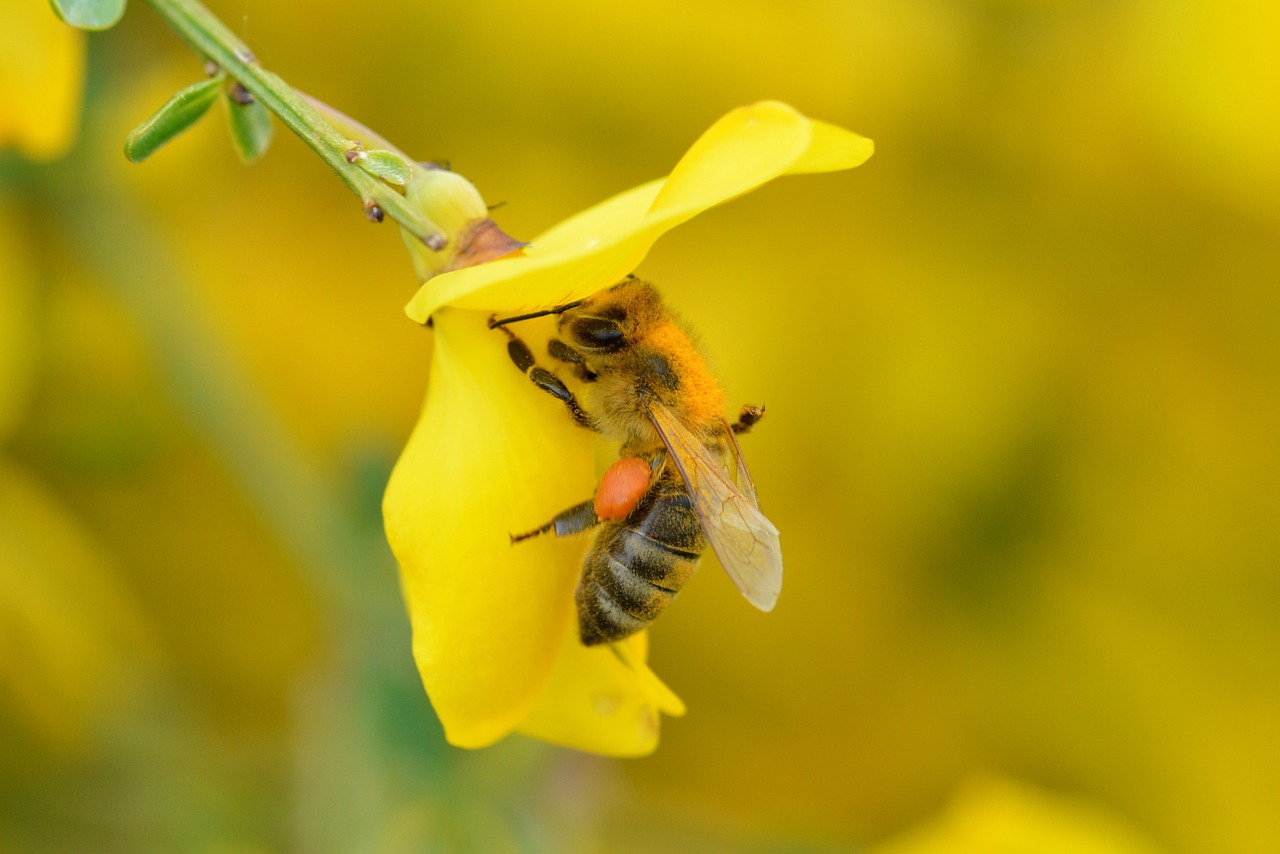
744, 540
741, 476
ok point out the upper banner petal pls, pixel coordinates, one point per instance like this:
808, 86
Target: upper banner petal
575, 259
832, 149
748, 147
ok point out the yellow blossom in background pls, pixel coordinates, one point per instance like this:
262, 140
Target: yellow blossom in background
994, 815
494, 628
74, 643
41, 80
72, 637
18, 335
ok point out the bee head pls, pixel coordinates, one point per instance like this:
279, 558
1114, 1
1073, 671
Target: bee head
613, 319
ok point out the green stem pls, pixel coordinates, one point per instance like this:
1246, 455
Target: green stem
208, 37
344, 123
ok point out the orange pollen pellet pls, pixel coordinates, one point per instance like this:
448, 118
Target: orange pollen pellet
621, 488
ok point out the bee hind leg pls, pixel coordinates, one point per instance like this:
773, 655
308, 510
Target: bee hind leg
575, 520
747, 418
522, 356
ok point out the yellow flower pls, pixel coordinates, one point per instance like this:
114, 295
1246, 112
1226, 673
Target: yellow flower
495, 633
996, 815
72, 640
41, 78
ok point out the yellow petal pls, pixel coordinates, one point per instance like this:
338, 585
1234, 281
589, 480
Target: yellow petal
832, 149
490, 455
993, 814
750, 147
578, 257
602, 699
746, 148
41, 80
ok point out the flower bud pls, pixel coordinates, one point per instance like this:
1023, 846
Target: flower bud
456, 208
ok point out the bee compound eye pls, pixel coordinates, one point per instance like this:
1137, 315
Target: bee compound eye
598, 333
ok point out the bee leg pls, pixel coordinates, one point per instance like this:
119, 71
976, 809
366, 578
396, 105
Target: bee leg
747, 418
563, 352
522, 356
575, 520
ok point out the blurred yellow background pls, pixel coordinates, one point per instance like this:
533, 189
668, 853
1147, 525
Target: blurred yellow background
1023, 377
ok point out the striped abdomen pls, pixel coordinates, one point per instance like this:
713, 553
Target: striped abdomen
637, 566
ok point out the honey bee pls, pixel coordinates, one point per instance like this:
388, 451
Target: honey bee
680, 482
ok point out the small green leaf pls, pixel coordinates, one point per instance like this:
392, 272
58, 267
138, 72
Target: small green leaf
251, 128
179, 113
89, 14
387, 165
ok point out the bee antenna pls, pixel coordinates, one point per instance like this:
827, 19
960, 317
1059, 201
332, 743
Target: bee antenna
494, 323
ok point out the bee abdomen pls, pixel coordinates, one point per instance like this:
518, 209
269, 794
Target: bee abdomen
639, 598
600, 619
636, 567
659, 563
616, 600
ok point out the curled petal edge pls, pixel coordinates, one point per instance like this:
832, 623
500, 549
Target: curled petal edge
745, 149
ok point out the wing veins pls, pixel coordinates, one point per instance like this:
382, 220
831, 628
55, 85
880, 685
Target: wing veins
743, 539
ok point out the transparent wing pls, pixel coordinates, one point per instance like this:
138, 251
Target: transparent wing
743, 539
741, 476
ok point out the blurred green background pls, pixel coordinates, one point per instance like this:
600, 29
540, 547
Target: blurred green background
1023, 376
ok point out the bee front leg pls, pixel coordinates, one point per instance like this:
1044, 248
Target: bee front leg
575, 520
562, 351
522, 356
